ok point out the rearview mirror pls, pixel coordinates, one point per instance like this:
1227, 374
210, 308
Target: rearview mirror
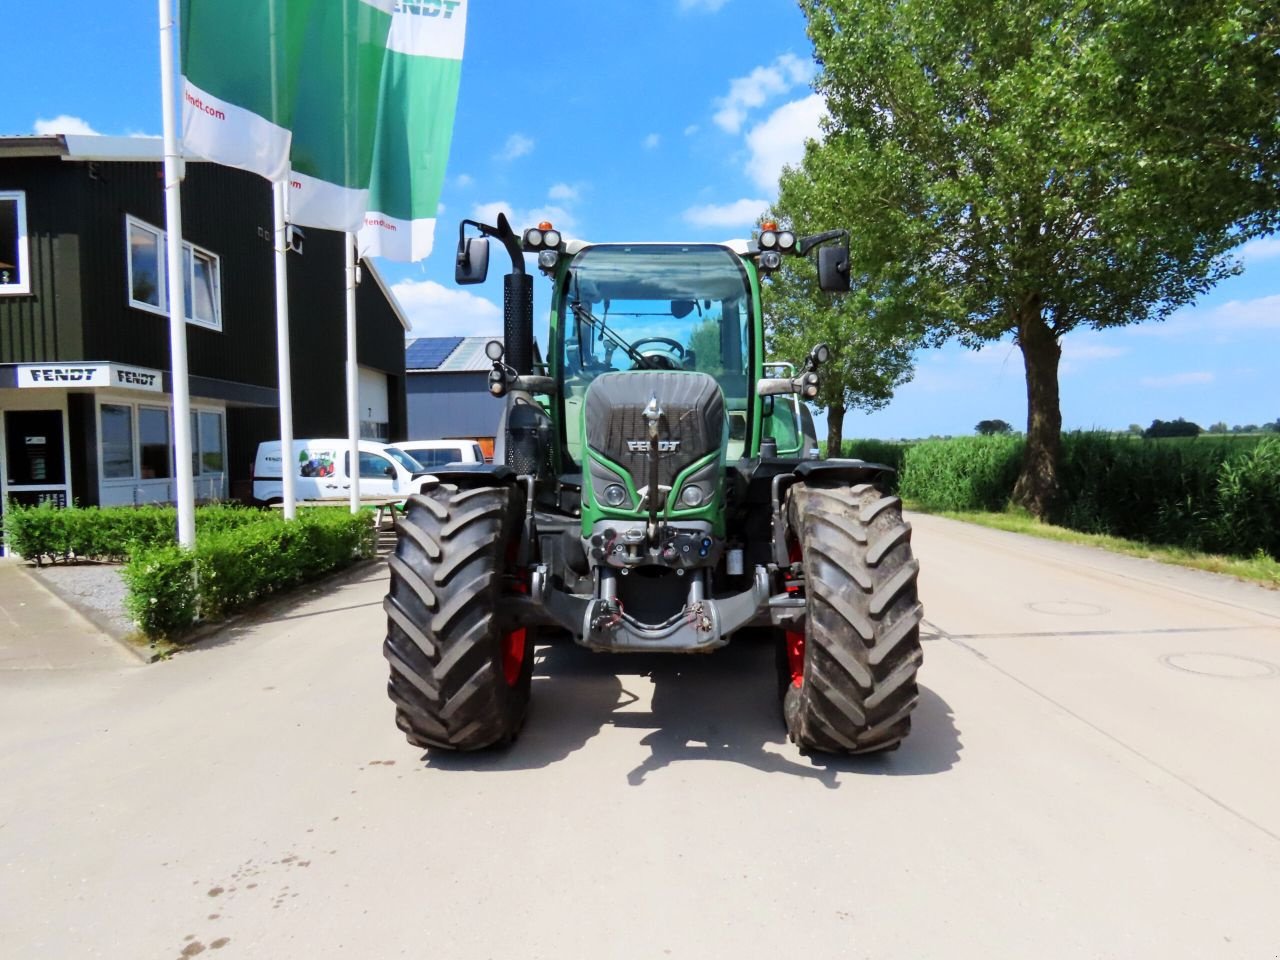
473, 261
833, 269
681, 308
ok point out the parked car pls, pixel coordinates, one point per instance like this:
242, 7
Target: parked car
437, 453
322, 470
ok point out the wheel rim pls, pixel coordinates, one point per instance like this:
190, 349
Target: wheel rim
795, 638
513, 645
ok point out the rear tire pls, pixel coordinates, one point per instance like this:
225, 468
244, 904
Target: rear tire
460, 672
849, 682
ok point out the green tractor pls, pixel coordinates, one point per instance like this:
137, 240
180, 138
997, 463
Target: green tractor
636, 503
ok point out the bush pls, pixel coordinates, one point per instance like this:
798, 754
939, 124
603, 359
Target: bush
1218, 494
170, 588
964, 473
106, 533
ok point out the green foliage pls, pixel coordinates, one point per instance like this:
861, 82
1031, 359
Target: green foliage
1219, 494
233, 565
1173, 428
57, 534
1028, 167
988, 427
870, 354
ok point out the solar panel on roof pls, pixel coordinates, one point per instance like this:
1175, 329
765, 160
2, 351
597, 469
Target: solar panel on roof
427, 353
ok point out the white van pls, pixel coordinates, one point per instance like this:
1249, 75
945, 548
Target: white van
437, 453
322, 471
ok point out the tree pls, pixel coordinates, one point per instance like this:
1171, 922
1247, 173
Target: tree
995, 180
868, 358
991, 427
1172, 428
1219, 427
1135, 429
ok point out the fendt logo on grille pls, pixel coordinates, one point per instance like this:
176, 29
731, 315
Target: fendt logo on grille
664, 446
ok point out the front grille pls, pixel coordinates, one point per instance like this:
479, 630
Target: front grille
692, 416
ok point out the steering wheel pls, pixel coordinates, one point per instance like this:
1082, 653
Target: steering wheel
661, 360
675, 345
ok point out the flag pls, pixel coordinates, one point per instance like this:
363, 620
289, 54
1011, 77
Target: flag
419, 96
288, 89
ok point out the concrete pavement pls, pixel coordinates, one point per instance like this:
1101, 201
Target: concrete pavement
1091, 774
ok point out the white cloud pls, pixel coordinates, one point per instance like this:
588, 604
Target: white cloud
709, 6
651, 141
691, 129
1260, 313
1264, 248
562, 192
779, 140
439, 208
737, 214
435, 310
758, 87
517, 145
522, 219
463, 180
64, 123
1178, 379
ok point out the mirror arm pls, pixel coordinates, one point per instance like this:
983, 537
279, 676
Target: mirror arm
805, 244
502, 232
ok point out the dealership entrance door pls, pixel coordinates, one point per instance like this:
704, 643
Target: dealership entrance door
35, 466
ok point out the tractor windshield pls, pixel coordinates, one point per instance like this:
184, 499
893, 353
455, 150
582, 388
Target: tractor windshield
657, 307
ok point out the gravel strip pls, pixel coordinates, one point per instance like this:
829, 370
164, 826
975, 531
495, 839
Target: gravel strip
96, 589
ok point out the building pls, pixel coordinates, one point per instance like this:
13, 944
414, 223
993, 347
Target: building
85, 388
448, 390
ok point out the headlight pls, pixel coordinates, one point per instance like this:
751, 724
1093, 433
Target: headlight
692, 495
768, 239
614, 495
786, 240
551, 238
770, 260
533, 238
547, 259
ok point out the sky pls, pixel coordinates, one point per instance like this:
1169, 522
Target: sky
668, 120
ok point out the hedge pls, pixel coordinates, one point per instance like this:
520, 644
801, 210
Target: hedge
170, 588
1203, 494
58, 534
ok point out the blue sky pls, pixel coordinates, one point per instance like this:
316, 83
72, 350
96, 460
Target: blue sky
668, 120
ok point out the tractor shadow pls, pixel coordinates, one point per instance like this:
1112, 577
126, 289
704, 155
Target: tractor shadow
718, 707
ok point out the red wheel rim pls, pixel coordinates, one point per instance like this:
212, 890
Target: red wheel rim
513, 645
795, 638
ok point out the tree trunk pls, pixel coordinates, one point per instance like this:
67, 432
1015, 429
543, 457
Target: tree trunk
835, 430
1037, 485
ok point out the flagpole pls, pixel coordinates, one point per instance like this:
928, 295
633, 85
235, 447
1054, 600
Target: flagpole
353, 383
288, 462
176, 284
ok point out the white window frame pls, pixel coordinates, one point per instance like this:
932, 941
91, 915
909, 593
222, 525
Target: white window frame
23, 286
189, 250
197, 449
133, 442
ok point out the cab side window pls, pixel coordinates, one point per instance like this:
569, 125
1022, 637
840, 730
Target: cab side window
372, 466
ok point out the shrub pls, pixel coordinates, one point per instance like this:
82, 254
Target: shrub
171, 588
963, 473
106, 533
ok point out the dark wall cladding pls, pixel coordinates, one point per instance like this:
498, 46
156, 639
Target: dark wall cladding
79, 304
44, 324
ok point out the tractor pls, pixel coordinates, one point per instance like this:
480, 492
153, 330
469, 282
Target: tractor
636, 502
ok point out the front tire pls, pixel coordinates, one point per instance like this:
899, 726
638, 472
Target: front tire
460, 671
849, 680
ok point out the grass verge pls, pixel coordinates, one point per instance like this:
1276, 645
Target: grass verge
1260, 568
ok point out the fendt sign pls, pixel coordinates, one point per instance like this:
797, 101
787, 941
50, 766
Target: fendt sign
53, 375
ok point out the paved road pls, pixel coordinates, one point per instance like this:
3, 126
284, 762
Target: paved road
1093, 774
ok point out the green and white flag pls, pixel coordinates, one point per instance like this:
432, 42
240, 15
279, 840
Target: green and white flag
419, 96
288, 88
